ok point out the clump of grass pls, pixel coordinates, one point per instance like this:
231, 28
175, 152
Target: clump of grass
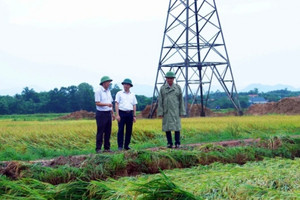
73, 190
55, 176
162, 188
26, 188
98, 190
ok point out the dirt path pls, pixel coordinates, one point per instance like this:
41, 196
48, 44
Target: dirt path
79, 159
229, 143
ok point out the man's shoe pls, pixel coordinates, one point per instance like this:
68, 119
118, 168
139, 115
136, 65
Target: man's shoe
98, 151
170, 146
120, 149
127, 148
177, 146
107, 151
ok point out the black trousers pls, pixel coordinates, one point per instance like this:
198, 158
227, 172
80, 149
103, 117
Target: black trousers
104, 122
169, 137
126, 120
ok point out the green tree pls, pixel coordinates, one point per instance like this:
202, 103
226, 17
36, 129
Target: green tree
3, 106
86, 97
72, 98
30, 94
57, 101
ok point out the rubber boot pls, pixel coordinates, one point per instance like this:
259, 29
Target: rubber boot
169, 139
177, 139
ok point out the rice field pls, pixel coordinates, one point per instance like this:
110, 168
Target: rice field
29, 140
271, 173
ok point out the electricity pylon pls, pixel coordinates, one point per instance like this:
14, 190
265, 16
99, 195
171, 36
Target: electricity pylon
193, 47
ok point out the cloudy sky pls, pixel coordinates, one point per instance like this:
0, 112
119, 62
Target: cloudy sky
53, 43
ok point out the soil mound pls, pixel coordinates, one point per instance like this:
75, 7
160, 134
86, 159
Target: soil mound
145, 113
288, 106
82, 114
194, 112
260, 109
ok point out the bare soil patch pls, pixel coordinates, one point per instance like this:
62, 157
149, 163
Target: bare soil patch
82, 114
287, 106
194, 112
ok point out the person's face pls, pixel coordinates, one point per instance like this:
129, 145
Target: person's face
170, 81
126, 87
106, 84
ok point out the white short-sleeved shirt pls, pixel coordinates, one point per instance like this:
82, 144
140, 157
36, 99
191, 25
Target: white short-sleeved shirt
103, 96
126, 100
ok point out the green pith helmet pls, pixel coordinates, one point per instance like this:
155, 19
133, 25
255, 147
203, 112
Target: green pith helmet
127, 81
104, 79
170, 74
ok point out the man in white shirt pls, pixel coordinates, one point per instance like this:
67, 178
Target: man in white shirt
104, 114
125, 106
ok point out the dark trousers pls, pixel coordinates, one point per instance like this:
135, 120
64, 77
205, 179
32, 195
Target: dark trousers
126, 120
104, 121
169, 137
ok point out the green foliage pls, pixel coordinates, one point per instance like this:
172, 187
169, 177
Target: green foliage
73, 190
143, 101
57, 175
162, 188
61, 100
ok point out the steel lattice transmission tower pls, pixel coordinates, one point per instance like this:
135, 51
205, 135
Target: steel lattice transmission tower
193, 47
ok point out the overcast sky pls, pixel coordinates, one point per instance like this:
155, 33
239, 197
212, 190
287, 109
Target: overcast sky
53, 43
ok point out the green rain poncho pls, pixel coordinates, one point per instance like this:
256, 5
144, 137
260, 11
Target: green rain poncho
171, 107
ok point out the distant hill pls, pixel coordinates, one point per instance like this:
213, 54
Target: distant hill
267, 88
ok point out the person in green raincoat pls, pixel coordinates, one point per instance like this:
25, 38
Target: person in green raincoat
171, 107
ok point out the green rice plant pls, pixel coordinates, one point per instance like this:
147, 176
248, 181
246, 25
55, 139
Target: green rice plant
98, 190
185, 158
162, 188
234, 129
116, 165
54, 176
73, 190
140, 160
25, 189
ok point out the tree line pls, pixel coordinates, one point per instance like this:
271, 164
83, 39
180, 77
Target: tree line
81, 97
63, 100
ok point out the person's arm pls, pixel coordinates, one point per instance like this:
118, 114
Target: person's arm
181, 103
160, 109
117, 111
98, 103
117, 100
112, 114
134, 113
